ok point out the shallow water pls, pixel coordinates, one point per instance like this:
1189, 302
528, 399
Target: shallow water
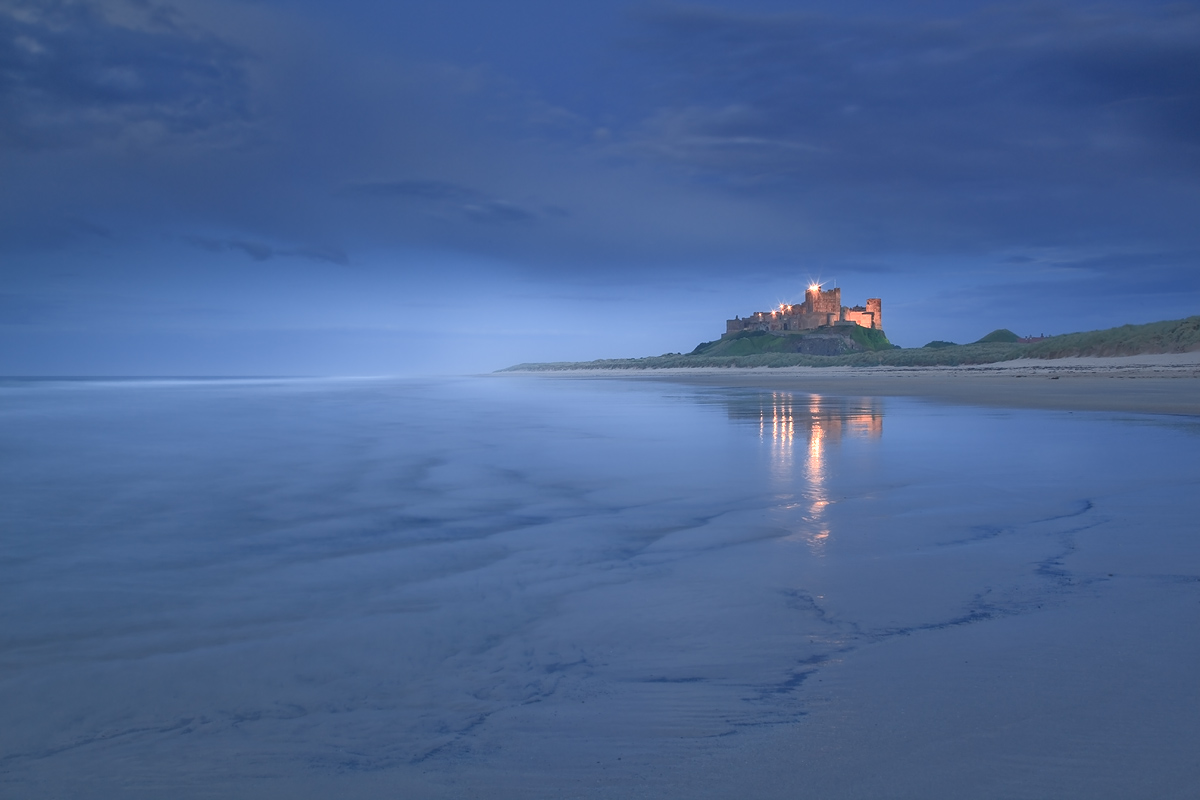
552, 588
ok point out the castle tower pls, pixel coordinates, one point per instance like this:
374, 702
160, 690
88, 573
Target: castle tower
827, 303
819, 301
875, 308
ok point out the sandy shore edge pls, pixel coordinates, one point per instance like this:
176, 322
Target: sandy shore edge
1152, 384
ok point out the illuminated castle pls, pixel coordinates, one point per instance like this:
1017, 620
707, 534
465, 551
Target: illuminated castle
821, 308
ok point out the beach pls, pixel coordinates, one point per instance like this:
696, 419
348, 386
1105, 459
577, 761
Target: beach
594, 588
1150, 384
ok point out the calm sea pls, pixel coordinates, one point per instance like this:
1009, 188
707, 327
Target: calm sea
520, 587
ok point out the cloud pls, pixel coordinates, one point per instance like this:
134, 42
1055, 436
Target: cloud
417, 190
1016, 124
73, 71
721, 137
1108, 282
465, 202
497, 211
843, 84
256, 250
260, 251
1121, 272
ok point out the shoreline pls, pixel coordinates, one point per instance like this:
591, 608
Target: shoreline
1146, 384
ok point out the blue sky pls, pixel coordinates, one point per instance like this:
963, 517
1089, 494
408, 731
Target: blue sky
264, 187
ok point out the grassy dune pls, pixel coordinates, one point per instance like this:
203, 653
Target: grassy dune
1175, 336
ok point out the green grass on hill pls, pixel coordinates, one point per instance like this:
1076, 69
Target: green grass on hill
871, 338
1176, 336
999, 335
1172, 336
747, 343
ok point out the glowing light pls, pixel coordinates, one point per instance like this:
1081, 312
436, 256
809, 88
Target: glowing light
814, 287
803, 435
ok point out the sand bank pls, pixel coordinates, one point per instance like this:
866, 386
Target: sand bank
1154, 384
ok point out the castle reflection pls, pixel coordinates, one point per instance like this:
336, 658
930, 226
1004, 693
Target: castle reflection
818, 423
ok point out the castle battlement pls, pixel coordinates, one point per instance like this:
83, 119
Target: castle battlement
821, 308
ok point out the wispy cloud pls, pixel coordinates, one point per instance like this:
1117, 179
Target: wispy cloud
260, 251
1009, 98
440, 191
72, 70
466, 202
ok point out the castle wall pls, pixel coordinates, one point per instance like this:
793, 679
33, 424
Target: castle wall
806, 322
863, 318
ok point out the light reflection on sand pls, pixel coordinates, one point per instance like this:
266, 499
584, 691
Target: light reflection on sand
823, 422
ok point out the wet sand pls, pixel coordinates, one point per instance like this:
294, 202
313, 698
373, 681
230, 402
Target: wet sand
502, 590
1153, 384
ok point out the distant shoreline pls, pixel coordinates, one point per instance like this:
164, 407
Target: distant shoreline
1169, 337
1151, 384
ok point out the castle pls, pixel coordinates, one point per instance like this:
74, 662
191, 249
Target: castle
821, 308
